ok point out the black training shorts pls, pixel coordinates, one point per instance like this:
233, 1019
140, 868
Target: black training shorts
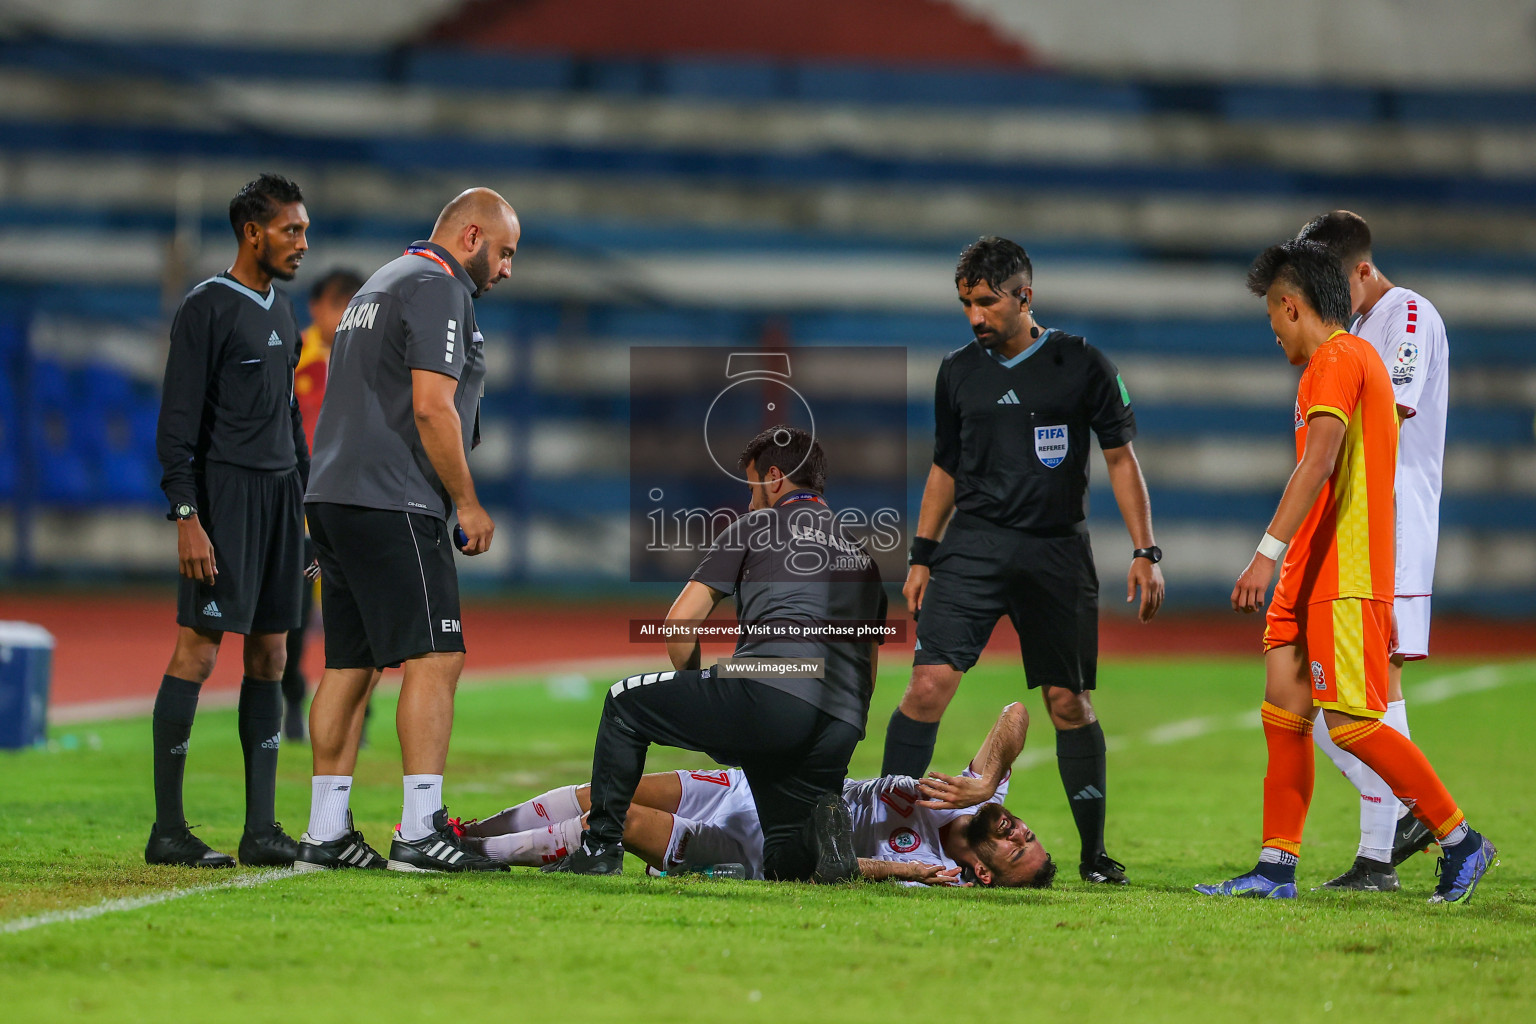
1046, 585
255, 521
388, 587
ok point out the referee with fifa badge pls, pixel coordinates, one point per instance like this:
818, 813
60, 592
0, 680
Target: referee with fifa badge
401, 412
1013, 412
234, 461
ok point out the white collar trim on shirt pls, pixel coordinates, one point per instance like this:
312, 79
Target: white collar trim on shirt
264, 301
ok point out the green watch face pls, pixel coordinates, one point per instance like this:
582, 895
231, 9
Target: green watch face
184, 510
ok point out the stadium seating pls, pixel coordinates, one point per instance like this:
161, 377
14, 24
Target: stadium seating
1116, 186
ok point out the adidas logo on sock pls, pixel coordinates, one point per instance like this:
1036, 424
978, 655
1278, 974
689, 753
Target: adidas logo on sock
272, 744
1089, 792
180, 749
211, 609
274, 340
1009, 399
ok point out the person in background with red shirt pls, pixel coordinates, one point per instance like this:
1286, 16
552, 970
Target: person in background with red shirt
328, 298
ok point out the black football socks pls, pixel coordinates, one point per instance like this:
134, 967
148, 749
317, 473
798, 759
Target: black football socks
175, 708
261, 728
1080, 759
908, 745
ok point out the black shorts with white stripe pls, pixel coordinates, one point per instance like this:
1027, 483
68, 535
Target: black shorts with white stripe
388, 587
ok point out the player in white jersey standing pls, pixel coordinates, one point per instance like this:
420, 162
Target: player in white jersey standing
1410, 336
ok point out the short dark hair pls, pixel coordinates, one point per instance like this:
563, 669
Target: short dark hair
797, 454
259, 201
1045, 876
993, 260
1312, 269
1345, 234
1042, 878
337, 279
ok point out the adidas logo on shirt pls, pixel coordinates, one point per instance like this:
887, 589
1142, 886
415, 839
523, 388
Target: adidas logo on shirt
211, 609
1009, 399
274, 340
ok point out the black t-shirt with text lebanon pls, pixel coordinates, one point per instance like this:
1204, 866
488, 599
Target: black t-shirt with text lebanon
794, 564
1015, 438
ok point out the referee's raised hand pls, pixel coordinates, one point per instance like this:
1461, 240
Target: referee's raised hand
195, 551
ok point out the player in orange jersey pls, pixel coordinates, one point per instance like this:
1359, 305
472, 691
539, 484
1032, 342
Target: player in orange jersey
328, 298
1329, 631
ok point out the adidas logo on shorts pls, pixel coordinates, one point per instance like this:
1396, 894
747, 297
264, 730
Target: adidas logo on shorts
211, 609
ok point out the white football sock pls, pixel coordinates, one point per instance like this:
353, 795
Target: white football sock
423, 798
549, 808
328, 798
535, 846
1397, 718
1378, 807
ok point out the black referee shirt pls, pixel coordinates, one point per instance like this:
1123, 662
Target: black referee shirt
794, 564
1015, 438
228, 393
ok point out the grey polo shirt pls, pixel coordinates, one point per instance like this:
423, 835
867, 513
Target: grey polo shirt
414, 313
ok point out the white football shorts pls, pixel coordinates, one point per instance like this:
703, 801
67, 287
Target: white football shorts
716, 823
1412, 626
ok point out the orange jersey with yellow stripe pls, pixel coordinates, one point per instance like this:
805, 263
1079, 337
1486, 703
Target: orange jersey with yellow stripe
309, 379
1346, 545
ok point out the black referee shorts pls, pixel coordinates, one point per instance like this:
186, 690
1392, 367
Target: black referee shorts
388, 587
255, 520
1046, 585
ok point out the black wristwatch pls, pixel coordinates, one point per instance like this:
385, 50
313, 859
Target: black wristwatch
1153, 554
182, 511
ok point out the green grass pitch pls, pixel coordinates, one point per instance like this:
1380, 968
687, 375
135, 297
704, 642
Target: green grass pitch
1185, 768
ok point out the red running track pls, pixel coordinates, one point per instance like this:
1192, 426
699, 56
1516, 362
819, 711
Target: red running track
115, 646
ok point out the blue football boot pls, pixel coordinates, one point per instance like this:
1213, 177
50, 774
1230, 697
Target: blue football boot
1459, 875
1252, 885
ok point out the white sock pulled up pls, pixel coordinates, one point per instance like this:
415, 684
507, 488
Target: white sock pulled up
329, 796
423, 799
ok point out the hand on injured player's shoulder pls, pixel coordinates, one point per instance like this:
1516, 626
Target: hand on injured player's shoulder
953, 792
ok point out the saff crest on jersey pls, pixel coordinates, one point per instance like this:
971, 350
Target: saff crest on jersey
1405, 363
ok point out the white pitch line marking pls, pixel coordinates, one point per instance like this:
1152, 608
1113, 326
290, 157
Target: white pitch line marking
22, 924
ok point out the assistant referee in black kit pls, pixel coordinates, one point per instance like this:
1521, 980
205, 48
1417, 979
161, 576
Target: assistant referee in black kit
1013, 412
234, 461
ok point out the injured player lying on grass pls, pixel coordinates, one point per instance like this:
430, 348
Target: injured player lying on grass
940, 830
